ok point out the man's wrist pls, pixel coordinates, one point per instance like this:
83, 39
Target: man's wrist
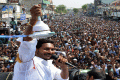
34, 18
64, 68
33, 21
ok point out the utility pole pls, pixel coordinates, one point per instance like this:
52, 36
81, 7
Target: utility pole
8, 16
42, 4
42, 10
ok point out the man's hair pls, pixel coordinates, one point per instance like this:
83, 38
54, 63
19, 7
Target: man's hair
97, 74
42, 41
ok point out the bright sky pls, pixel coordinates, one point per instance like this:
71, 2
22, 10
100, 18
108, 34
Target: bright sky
72, 3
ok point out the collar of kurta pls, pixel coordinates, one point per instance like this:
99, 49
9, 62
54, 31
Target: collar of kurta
44, 62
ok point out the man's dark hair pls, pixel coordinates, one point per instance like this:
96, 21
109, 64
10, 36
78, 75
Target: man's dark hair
42, 41
97, 74
12, 19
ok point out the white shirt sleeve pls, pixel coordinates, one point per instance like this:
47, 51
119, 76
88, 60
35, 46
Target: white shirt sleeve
27, 50
58, 76
57, 73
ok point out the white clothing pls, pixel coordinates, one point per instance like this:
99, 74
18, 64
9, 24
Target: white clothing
44, 70
117, 70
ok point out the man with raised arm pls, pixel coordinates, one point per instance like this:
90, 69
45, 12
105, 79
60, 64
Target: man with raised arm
39, 67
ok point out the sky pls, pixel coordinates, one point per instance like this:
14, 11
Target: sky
72, 3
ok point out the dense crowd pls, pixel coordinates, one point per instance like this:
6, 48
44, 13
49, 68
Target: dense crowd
87, 42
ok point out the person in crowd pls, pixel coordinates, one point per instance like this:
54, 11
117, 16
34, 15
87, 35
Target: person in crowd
13, 24
110, 76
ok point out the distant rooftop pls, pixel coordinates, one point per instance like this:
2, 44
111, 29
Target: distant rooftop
3, 1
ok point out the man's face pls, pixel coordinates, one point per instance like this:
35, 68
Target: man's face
109, 67
117, 65
110, 74
45, 51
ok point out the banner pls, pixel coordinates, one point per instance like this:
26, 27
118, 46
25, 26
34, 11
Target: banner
5, 11
14, 1
5, 8
22, 16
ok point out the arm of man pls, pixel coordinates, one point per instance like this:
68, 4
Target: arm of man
35, 12
103, 68
64, 73
26, 52
113, 67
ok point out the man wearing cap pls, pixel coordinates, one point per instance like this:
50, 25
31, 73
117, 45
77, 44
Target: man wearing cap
39, 67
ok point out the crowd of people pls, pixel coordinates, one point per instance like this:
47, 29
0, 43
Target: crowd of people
7, 56
8, 46
87, 43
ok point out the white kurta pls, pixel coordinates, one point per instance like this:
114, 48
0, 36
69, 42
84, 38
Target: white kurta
44, 70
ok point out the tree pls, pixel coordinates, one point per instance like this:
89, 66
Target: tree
61, 9
75, 10
84, 7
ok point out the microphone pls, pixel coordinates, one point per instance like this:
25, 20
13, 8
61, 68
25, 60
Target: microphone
55, 57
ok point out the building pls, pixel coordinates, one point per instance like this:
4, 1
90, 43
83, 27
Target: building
27, 4
19, 8
90, 9
108, 8
97, 3
47, 5
107, 1
9, 9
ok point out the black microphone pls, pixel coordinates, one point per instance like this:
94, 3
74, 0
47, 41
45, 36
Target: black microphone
55, 57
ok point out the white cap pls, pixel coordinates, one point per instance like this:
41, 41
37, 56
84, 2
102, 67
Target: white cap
74, 59
61, 52
64, 54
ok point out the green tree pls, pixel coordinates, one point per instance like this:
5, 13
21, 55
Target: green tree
84, 7
61, 9
75, 10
